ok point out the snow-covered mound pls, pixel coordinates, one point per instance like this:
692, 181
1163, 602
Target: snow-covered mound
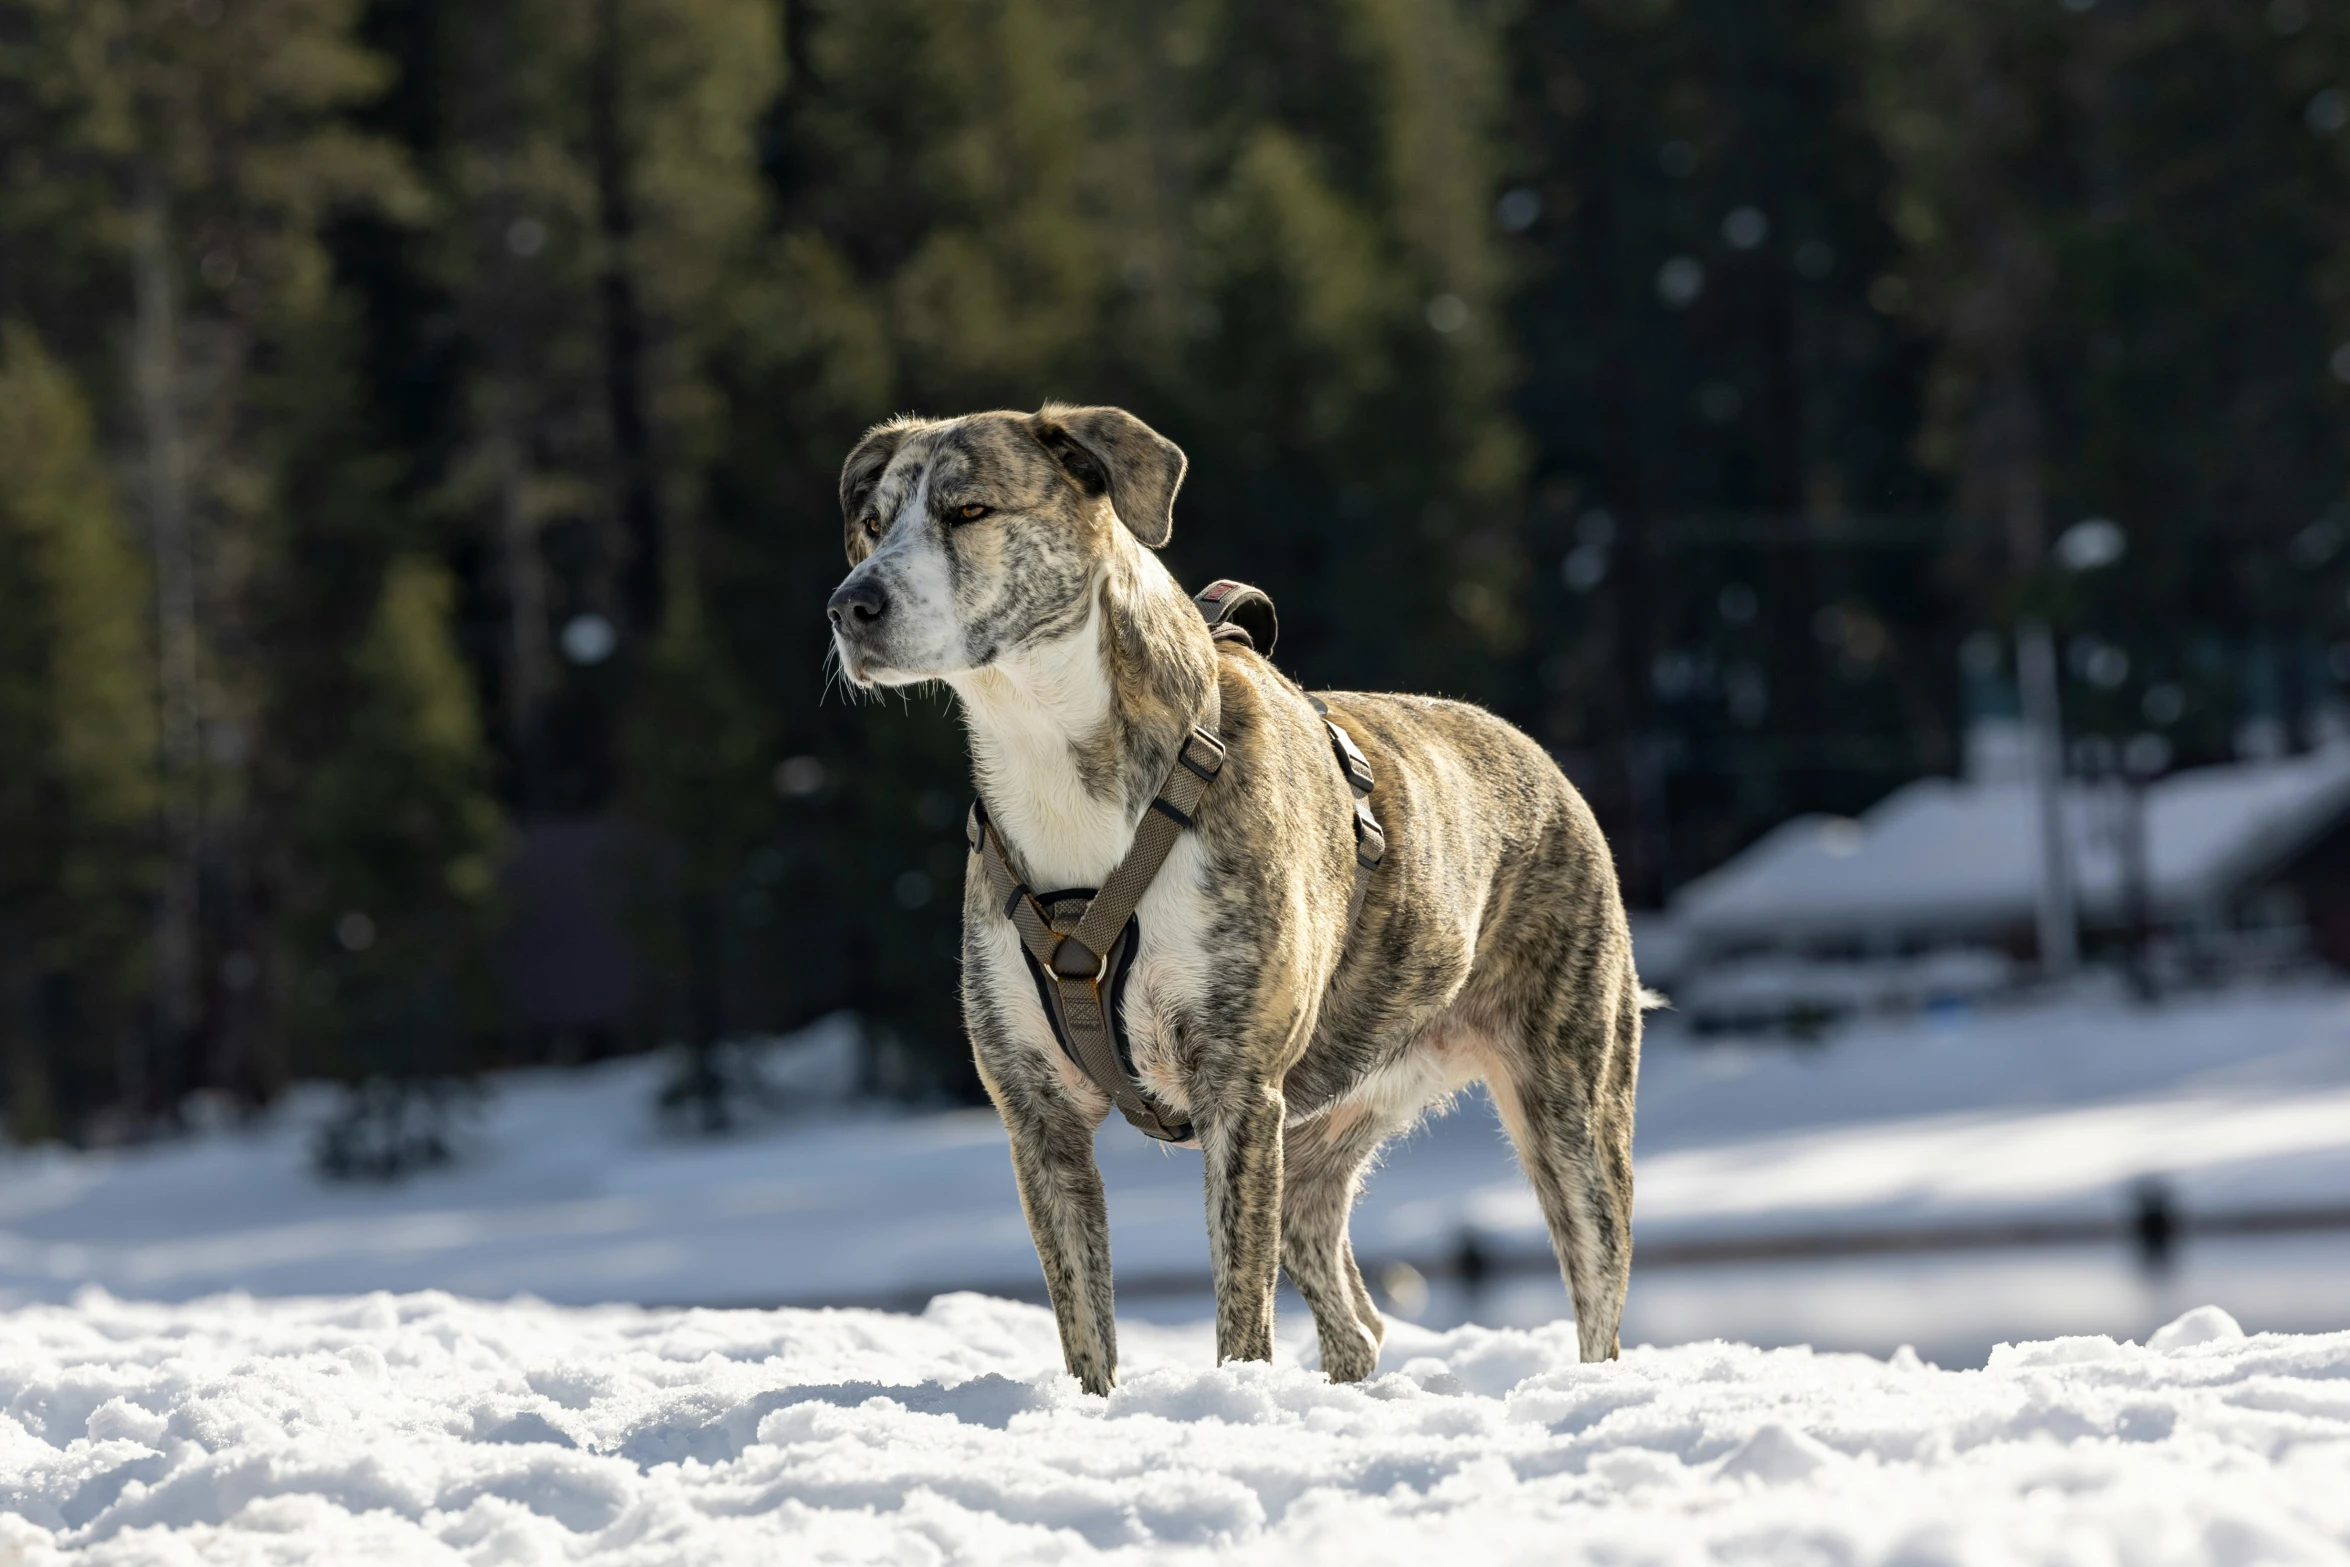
423, 1428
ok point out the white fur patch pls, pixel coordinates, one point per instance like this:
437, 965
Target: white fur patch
1023, 711
1450, 1054
924, 632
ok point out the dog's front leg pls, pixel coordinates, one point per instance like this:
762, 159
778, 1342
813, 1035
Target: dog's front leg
1061, 1193
1241, 1142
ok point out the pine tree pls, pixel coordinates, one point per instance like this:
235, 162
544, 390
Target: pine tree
2114, 219
77, 725
1719, 409
192, 158
698, 765
400, 838
601, 163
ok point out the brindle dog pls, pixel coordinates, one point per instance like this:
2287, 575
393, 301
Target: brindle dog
1009, 556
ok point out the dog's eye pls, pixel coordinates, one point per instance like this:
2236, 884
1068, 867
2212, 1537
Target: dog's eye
873, 526
973, 512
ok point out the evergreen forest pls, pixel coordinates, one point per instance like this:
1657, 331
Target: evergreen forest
420, 419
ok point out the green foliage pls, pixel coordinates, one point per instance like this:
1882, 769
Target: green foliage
600, 165
1686, 378
698, 763
2117, 223
1714, 408
77, 726
400, 838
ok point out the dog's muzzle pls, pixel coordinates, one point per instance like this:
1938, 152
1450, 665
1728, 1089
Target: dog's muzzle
857, 609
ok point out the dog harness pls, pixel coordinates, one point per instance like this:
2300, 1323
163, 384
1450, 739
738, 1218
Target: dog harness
1081, 943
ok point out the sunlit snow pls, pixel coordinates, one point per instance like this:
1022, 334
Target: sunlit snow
422, 1428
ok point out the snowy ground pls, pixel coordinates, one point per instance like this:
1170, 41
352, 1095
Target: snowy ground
422, 1428
360, 1426
2240, 1101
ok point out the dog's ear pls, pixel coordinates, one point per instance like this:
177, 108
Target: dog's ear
1108, 450
858, 478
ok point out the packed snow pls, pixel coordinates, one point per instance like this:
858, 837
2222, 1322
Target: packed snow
424, 1428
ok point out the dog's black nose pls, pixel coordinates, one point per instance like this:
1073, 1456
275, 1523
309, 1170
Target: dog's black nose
855, 605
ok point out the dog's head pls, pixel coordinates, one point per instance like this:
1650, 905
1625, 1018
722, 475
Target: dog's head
971, 538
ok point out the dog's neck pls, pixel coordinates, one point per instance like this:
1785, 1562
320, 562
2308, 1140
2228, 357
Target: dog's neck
1071, 738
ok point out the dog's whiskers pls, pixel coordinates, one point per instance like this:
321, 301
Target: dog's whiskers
836, 675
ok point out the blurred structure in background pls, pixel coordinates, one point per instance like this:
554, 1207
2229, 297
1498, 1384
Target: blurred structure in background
419, 421
2211, 874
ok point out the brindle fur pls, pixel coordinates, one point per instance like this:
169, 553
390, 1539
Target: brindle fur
1492, 945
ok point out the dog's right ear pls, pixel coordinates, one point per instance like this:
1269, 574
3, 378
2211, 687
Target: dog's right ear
860, 476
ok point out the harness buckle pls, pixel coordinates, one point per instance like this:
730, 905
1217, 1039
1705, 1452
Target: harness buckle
1351, 761
1101, 961
1214, 763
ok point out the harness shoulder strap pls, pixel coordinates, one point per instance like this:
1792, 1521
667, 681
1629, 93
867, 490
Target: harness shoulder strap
1073, 954
1236, 612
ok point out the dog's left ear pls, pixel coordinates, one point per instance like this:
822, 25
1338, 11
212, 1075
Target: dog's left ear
1108, 450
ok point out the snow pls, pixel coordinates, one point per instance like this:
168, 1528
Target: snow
572, 1192
1940, 857
423, 1428
346, 1401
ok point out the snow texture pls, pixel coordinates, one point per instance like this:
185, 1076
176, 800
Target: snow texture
423, 1429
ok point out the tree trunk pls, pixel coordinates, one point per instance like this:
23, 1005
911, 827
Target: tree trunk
2056, 918
156, 374
624, 337
528, 675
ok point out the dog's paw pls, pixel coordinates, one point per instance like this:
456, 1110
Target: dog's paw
1349, 1355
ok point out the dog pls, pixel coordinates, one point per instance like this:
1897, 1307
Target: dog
1009, 556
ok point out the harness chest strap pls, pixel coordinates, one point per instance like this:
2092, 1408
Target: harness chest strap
1073, 954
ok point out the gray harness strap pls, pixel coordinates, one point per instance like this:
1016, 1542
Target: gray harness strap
1078, 943
1073, 943
1236, 612
1370, 837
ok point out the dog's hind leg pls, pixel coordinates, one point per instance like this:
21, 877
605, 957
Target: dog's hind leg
1566, 1097
1322, 1164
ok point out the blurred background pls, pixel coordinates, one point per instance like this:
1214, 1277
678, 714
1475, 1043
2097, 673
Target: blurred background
1892, 452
